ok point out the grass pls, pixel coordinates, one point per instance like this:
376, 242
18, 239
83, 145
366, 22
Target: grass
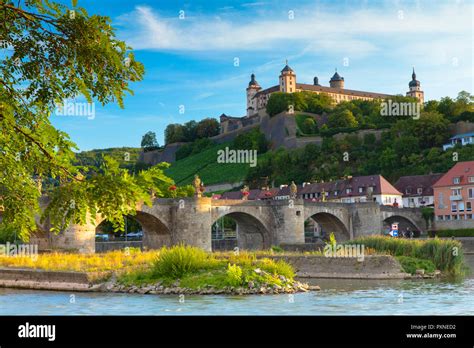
446, 255
111, 261
194, 268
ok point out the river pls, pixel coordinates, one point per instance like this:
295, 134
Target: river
337, 297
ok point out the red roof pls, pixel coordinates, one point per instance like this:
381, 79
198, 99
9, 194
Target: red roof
461, 170
409, 185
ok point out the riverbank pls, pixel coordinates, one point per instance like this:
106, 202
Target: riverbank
305, 267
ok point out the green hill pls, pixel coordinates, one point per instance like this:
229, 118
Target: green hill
126, 156
205, 165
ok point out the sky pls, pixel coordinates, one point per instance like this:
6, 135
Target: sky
199, 55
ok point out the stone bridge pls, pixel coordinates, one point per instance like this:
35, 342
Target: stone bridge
260, 223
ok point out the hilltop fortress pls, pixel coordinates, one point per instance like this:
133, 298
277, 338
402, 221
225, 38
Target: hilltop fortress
257, 97
281, 129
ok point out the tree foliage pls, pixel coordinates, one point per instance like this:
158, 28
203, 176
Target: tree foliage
191, 131
52, 53
149, 142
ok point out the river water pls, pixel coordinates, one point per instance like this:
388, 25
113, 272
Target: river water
337, 297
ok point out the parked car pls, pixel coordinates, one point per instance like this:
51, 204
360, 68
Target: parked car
135, 235
102, 237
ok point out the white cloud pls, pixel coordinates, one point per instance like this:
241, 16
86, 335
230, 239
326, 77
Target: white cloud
319, 30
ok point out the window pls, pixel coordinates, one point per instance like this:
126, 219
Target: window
440, 217
361, 189
461, 206
456, 192
456, 180
419, 190
348, 190
447, 217
469, 216
336, 192
468, 206
408, 191
470, 192
454, 207
455, 217
471, 179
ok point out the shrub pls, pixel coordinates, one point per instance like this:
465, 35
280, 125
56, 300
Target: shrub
277, 249
179, 260
411, 264
447, 255
234, 275
467, 232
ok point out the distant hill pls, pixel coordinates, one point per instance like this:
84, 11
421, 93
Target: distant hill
126, 156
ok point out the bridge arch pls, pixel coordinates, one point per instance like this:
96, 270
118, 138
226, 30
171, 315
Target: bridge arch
252, 232
156, 233
328, 223
404, 223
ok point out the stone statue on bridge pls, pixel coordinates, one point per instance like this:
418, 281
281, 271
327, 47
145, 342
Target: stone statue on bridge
198, 186
245, 192
293, 190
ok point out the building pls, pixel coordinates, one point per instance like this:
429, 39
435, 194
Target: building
257, 97
460, 139
415, 89
354, 190
454, 196
348, 190
417, 190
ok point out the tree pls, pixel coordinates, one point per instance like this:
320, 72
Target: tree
54, 53
149, 141
207, 128
343, 118
174, 133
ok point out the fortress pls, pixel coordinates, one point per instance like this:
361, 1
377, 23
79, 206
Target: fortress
281, 130
257, 97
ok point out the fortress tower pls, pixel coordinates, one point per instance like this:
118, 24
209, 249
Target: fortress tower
415, 89
336, 81
252, 89
287, 80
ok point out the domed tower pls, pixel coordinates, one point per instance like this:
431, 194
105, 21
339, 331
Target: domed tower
415, 89
287, 80
252, 89
336, 81
316, 81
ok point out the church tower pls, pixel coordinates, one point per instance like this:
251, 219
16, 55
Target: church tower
287, 80
252, 89
415, 89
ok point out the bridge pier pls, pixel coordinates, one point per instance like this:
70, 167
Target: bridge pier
289, 226
191, 223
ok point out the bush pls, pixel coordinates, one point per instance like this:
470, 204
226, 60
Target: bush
7, 234
234, 275
411, 264
446, 255
180, 260
467, 232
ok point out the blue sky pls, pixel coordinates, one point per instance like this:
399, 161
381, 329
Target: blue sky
190, 61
